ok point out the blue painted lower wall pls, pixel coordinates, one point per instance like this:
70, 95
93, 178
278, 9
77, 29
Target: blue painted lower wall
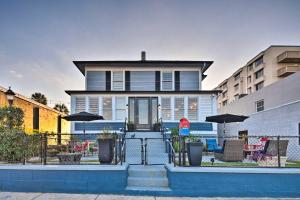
234, 184
64, 181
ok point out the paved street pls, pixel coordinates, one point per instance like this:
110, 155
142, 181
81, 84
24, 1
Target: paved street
54, 196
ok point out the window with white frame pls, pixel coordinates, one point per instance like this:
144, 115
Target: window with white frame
120, 106
192, 108
166, 108
79, 104
117, 80
179, 108
107, 108
167, 81
94, 105
259, 105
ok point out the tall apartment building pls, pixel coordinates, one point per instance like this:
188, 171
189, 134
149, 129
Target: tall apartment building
269, 66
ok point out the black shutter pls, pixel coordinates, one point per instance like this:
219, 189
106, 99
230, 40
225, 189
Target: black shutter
108, 80
36, 118
177, 80
127, 80
157, 81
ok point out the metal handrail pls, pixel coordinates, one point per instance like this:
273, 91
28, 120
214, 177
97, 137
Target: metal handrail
172, 153
123, 152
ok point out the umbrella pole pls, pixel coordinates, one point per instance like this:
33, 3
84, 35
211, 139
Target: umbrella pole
83, 138
224, 131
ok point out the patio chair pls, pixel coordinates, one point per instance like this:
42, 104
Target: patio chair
232, 150
211, 144
271, 149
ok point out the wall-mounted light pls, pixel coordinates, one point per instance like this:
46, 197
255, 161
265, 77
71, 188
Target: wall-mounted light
10, 96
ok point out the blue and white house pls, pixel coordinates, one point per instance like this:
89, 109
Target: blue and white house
143, 91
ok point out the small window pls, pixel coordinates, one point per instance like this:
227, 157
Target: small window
259, 73
250, 67
166, 108
167, 78
107, 108
236, 97
192, 108
224, 103
117, 80
237, 77
179, 108
224, 94
259, 105
120, 103
259, 61
249, 79
94, 105
36, 118
249, 90
236, 87
259, 85
79, 104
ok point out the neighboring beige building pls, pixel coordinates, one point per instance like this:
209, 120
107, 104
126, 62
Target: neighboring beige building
269, 66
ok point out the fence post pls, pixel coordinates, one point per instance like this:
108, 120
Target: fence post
278, 151
45, 148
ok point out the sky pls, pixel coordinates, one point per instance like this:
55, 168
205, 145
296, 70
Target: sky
40, 39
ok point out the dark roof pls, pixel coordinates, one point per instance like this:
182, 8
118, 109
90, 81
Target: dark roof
144, 63
141, 92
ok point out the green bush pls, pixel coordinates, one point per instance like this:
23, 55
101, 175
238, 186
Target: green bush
11, 117
15, 146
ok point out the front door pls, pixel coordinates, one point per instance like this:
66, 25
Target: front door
143, 112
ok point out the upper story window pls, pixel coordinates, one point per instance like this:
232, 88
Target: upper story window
236, 87
250, 67
107, 108
258, 62
259, 105
79, 104
117, 80
167, 81
179, 108
166, 108
95, 80
259, 73
224, 103
94, 105
192, 108
249, 79
224, 94
142, 80
237, 77
189, 80
259, 85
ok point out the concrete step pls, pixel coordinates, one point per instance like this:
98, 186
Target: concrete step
147, 182
147, 172
139, 188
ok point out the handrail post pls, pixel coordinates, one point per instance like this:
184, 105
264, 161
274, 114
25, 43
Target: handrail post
278, 151
45, 148
142, 151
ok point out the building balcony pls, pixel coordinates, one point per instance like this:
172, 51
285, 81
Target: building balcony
257, 80
259, 67
289, 57
287, 70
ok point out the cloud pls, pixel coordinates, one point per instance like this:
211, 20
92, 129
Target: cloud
16, 74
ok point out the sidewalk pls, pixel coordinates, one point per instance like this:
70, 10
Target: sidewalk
55, 196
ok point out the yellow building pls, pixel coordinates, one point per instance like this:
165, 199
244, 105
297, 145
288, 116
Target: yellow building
37, 117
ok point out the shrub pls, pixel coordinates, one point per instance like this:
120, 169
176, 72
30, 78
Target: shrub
11, 117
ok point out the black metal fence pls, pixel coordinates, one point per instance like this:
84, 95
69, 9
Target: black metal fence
229, 151
49, 148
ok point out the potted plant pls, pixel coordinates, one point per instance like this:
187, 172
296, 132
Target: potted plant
106, 146
130, 126
194, 150
156, 127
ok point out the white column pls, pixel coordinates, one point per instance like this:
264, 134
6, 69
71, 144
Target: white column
159, 109
126, 107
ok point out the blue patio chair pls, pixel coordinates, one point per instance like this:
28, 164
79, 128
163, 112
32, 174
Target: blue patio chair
211, 144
